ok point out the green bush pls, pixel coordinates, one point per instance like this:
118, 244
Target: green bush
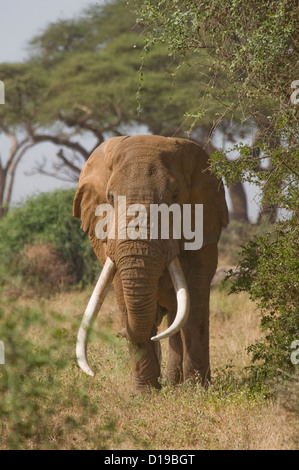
269, 272
41, 239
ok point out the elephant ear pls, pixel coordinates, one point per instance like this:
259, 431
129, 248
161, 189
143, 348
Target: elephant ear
92, 184
208, 190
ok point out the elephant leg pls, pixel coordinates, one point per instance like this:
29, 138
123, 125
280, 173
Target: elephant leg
175, 358
195, 333
196, 343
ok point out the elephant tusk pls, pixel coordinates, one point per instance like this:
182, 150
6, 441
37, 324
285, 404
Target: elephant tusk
183, 301
92, 309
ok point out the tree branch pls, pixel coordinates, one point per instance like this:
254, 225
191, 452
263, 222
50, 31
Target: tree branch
13, 148
118, 112
40, 169
68, 163
71, 122
58, 140
12, 170
60, 169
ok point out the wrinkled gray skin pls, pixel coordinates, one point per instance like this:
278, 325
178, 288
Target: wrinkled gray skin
152, 170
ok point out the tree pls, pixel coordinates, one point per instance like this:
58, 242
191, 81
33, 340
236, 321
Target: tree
102, 50
93, 67
250, 43
22, 94
87, 72
256, 46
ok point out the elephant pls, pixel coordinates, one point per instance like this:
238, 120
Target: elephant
158, 276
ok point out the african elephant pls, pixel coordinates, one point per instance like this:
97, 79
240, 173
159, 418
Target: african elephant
153, 276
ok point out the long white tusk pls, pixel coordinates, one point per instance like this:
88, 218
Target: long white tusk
183, 301
92, 309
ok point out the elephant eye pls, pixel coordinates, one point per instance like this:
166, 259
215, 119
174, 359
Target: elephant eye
110, 199
175, 196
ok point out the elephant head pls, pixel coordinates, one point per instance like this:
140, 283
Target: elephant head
152, 275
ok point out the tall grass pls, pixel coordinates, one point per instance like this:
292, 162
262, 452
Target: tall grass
48, 403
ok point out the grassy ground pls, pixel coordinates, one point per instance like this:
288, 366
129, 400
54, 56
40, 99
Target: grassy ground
46, 402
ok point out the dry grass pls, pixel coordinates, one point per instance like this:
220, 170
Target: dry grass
75, 411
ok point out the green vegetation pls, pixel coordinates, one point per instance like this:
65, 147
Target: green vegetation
42, 245
254, 44
269, 272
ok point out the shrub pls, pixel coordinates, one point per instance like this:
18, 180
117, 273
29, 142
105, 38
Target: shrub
41, 237
43, 267
269, 272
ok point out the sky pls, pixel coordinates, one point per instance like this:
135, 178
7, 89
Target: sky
20, 21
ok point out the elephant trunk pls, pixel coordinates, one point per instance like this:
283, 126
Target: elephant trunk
140, 266
140, 275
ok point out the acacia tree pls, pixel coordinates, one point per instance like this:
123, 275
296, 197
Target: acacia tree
86, 74
96, 60
256, 45
71, 87
93, 75
22, 91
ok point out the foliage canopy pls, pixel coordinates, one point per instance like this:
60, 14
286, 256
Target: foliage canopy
255, 44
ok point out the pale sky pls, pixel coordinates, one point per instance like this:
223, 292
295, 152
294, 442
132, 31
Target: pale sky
20, 21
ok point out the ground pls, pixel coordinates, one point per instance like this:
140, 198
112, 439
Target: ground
56, 406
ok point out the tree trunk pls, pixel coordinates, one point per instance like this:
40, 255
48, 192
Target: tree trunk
3, 174
236, 191
239, 202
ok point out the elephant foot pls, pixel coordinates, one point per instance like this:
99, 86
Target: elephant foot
142, 386
174, 375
